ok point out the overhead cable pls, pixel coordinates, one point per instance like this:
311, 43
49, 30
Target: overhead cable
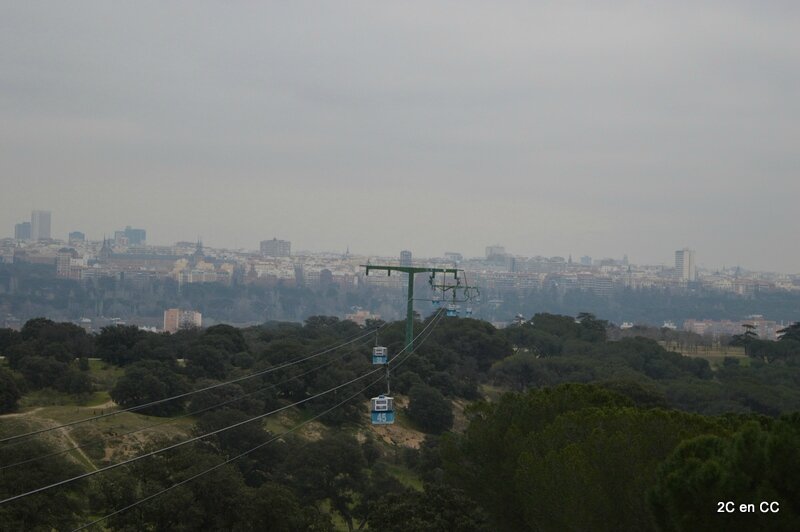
172, 419
259, 446
194, 439
187, 394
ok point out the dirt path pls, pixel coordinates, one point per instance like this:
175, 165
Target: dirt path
72, 443
64, 431
22, 414
107, 404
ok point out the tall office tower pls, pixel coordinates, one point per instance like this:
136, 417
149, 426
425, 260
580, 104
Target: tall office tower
276, 248
136, 237
495, 251
40, 225
405, 260
22, 231
684, 265
130, 237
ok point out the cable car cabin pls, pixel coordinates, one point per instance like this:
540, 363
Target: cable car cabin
452, 311
382, 410
468, 312
380, 355
436, 301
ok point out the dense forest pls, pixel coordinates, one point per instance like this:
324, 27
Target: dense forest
553, 423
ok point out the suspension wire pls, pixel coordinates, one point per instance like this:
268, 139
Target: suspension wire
196, 438
259, 446
180, 396
170, 420
182, 443
226, 462
437, 317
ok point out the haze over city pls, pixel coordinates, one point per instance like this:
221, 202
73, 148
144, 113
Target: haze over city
399, 266
583, 129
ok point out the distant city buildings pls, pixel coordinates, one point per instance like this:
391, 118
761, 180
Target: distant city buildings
765, 329
503, 279
22, 231
130, 237
499, 275
176, 319
495, 251
276, 248
67, 264
684, 265
361, 316
40, 225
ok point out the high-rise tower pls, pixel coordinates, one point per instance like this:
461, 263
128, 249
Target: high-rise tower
40, 225
684, 265
22, 231
276, 248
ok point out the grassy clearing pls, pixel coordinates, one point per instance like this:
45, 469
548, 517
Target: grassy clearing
406, 477
701, 350
129, 433
491, 392
715, 355
113, 437
13, 425
717, 360
62, 413
339, 523
103, 375
47, 397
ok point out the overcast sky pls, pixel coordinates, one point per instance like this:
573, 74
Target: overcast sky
597, 128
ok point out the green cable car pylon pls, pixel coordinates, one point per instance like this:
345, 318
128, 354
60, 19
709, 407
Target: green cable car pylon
443, 286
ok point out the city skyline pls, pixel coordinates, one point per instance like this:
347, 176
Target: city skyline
282, 248
628, 130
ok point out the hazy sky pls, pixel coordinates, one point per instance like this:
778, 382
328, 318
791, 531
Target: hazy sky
596, 128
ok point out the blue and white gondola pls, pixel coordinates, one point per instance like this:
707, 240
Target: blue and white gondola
382, 408
380, 355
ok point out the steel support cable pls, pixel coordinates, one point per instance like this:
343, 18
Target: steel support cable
437, 317
259, 446
226, 462
196, 438
187, 394
171, 419
182, 443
